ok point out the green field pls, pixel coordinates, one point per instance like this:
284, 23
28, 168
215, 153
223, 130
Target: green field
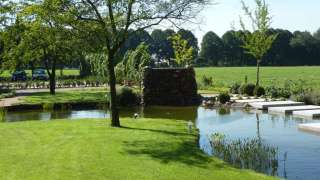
91, 149
66, 72
225, 76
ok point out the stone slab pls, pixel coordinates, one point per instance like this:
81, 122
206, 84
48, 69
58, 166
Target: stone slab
290, 109
313, 127
266, 105
250, 100
307, 113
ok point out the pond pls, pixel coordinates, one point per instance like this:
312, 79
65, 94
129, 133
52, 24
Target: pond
302, 149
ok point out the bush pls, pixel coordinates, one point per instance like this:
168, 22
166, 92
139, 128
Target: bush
235, 88
247, 89
223, 98
207, 81
274, 92
259, 91
309, 98
126, 97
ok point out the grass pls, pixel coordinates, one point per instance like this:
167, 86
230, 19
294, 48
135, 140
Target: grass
90, 149
87, 95
225, 76
66, 72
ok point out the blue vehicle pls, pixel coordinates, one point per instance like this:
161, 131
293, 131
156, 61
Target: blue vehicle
39, 74
20, 75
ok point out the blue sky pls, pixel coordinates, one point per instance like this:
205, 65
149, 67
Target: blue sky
293, 15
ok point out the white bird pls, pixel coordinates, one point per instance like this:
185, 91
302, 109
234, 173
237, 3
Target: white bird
135, 115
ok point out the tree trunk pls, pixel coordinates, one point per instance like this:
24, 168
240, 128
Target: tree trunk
52, 78
115, 122
258, 73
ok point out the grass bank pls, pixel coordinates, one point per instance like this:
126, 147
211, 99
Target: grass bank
90, 149
67, 96
225, 76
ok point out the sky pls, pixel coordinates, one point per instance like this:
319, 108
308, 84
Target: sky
303, 15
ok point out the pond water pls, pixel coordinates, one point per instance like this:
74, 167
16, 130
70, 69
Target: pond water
302, 148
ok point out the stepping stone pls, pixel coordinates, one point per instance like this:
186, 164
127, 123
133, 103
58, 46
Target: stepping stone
290, 109
266, 105
250, 100
307, 113
313, 127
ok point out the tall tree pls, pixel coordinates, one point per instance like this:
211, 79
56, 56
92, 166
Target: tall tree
162, 46
115, 17
212, 48
259, 42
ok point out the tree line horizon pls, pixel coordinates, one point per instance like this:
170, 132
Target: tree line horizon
298, 48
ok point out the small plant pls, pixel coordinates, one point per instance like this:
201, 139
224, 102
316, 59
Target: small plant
224, 97
247, 89
234, 89
207, 81
127, 97
259, 91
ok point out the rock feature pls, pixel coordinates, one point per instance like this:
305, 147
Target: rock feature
170, 87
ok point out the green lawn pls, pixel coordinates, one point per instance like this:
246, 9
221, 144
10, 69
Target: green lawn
225, 76
87, 95
90, 149
66, 72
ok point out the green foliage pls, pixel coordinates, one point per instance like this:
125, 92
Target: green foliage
309, 98
98, 64
223, 110
127, 97
235, 88
247, 89
278, 92
182, 51
133, 65
259, 91
224, 97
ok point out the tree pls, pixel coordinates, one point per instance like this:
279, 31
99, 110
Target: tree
162, 46
114, 18
212, 48
183, 53
258, 42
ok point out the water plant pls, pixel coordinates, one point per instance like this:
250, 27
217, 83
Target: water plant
246, 153
48, 106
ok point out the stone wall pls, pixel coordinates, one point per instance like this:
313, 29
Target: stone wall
170, 87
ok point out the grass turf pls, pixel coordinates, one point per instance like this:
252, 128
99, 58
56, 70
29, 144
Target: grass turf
90, 149
225, 76
87, 95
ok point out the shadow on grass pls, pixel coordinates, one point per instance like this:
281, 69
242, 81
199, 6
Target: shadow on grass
171, 151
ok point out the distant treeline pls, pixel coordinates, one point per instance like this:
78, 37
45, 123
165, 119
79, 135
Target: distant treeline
289, 49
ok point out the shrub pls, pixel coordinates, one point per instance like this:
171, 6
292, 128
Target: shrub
235, 88
223, 98
309, 98
126, 97
207, 81
48, 106
275, 92
247, 89
259, 91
